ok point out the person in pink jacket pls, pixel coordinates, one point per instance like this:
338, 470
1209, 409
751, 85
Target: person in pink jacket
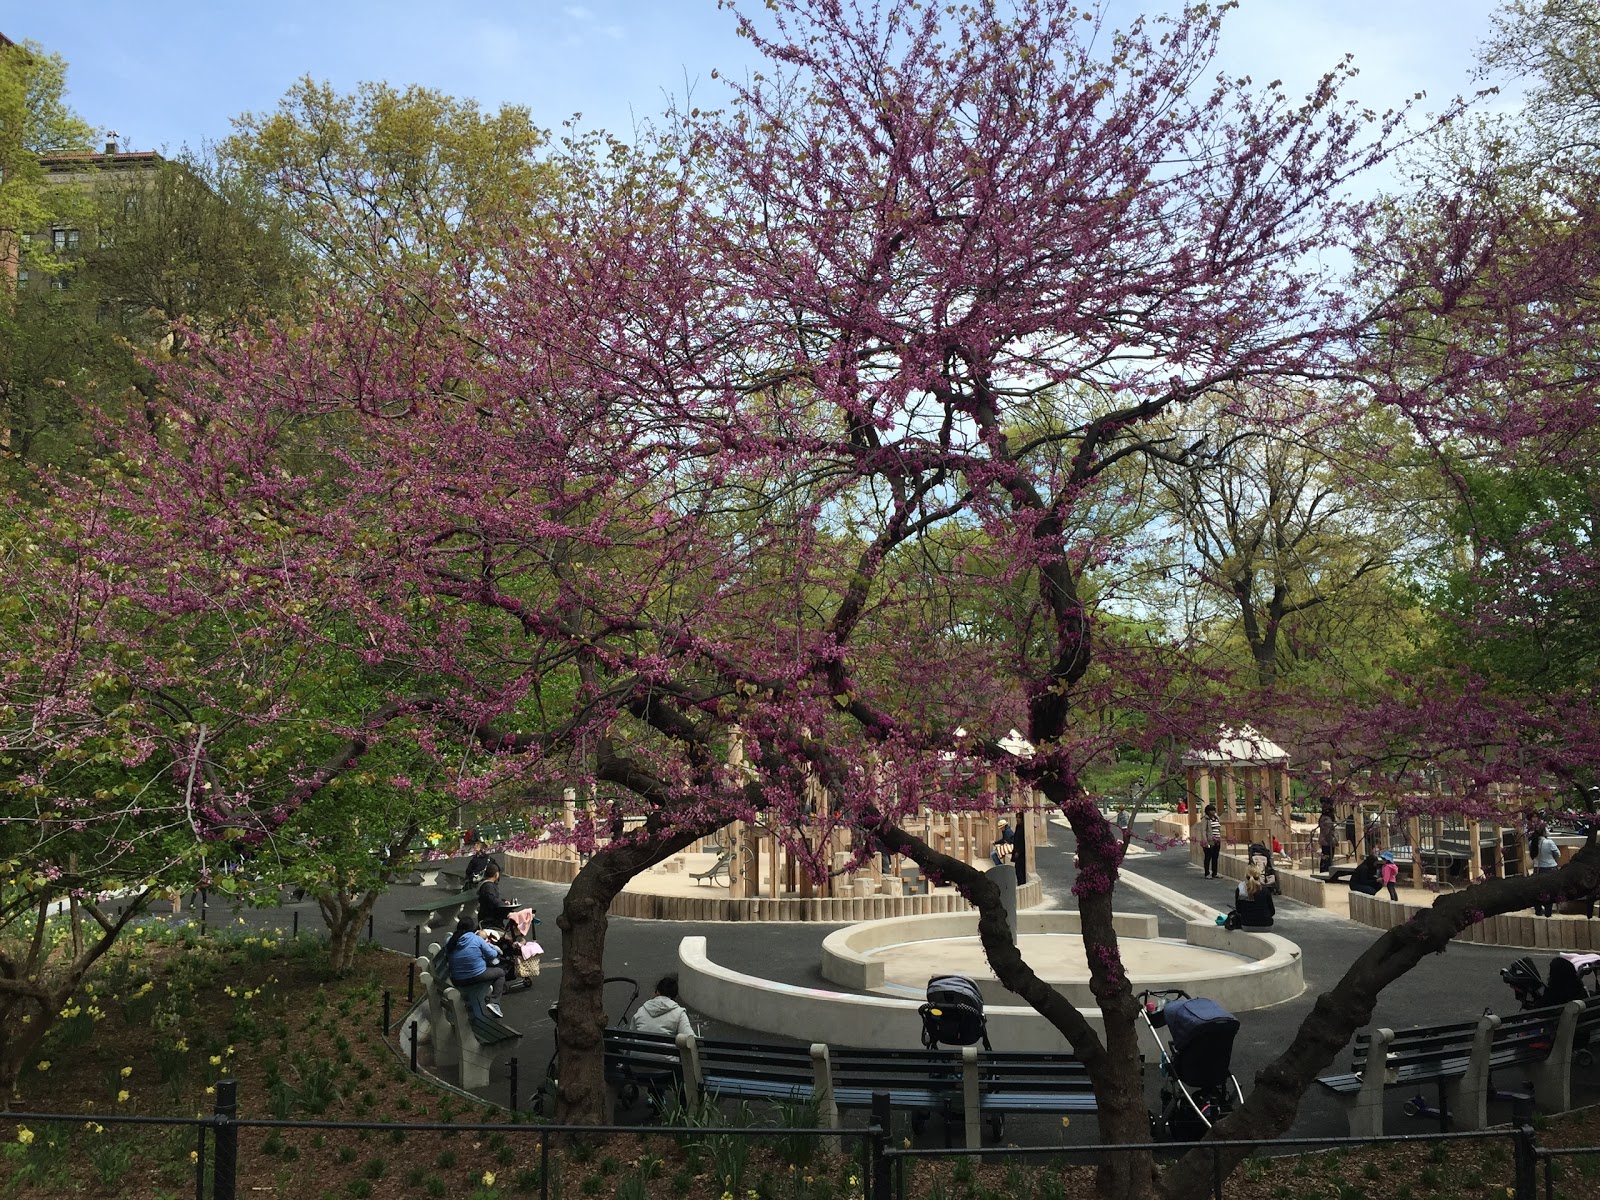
1388, 874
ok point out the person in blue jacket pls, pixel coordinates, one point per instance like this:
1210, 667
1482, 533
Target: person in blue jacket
473, 960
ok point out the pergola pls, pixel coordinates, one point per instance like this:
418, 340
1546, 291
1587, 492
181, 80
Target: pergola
1246, 775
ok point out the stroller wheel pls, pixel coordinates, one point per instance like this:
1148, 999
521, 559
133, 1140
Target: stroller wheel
1584, 1058
997, 1127
1412, 1107
628, 1094
919, 1122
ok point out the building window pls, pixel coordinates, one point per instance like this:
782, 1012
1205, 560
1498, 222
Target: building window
61, 283
22, 278
65, 240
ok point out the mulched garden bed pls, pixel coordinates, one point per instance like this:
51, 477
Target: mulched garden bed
173, 1013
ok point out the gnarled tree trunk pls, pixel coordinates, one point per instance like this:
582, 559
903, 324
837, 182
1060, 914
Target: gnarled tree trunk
580, 1029
346, 914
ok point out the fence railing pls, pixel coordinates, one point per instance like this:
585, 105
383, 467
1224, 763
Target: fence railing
217, 1176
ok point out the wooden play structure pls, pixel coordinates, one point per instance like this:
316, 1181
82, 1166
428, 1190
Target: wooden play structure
754, 861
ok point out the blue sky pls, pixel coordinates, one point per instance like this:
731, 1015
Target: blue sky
164, 74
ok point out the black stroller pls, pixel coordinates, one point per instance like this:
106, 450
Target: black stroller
1567, 975
953, 1015
1198, 1088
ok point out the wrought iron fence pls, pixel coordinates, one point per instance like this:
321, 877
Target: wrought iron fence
885, 1174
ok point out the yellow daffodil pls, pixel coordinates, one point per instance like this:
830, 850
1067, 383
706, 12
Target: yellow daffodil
24, 1135
126, 1071
488, 1179
122, 1096
216, 1060
43, 1064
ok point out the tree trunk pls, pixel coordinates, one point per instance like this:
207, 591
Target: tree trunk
345, 915
581, 1021
32, 995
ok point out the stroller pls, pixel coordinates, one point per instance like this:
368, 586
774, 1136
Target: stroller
1198, 1087
518, 946
1566, 982
633, 1077
954, 1016
1269, 873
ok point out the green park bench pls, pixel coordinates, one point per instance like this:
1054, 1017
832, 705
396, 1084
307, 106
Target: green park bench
436, 914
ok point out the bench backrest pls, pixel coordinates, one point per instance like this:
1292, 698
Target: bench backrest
645, 1051
755, 1061
1423, 1044
1046, 1074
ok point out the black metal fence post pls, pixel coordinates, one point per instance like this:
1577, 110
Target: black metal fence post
1549, 1179
413, 1047
385, 1012
225, 1182
512, 1068
411, 981
296, 932
544, 1165
1523, 1149
416, 941
371, 917
882, 1118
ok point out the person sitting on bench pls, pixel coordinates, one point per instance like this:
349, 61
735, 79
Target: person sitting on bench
1001, 846
474, 961
662, 1013
492, 910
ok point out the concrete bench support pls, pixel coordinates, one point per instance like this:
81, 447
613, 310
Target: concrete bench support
476, 1058
446, 1046
822, 1087
971, 1098
1468, 1096
1366, 1106
1552, 1079
689, 1056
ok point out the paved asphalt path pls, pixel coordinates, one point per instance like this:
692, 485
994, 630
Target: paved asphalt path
1454, 986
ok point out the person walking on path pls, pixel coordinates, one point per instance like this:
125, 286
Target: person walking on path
1325, 828
1212, 841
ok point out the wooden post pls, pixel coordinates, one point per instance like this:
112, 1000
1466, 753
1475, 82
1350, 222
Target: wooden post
1475, 850
1499, 851
1232, 792
1415, 827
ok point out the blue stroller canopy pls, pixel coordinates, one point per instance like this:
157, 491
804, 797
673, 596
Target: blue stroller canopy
1189, 1018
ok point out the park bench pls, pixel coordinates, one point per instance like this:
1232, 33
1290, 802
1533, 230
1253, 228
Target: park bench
478, 1035
720, 867
649, 1064
1459, 1059
1334, 874
433, 915
980, 1086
